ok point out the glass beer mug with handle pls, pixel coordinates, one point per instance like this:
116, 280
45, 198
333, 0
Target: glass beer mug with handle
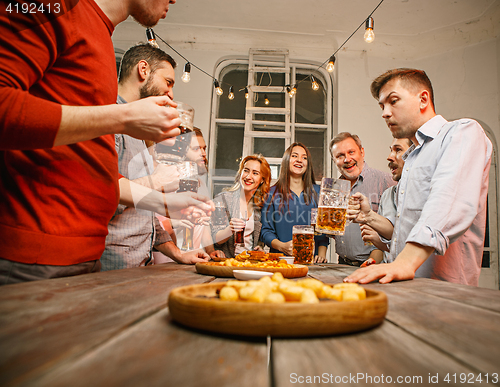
332, 207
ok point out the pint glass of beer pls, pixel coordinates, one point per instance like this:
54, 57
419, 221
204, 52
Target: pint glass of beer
188, 181
332, 208
303, 244
188, 176
186, 114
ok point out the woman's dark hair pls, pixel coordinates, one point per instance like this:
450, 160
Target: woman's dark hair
283, 183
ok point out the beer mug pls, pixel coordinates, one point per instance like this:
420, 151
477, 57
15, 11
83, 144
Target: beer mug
303, 244
332, 208
173, 151
188, 176
314, 217
186, 114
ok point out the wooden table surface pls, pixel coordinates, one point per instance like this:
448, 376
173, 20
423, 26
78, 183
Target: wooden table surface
114, 329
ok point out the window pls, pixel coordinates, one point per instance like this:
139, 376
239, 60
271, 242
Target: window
241, 127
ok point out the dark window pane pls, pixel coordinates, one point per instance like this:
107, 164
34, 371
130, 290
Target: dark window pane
269, 147
309, 104
487, 233
486, 259
276, 100
234, 109
315, 142
229, 149
266, 79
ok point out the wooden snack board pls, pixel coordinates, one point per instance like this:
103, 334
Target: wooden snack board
197, 306
227, 271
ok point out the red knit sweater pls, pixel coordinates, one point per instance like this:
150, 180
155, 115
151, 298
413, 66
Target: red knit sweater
55, 202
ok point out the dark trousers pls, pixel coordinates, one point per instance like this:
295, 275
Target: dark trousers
15, 272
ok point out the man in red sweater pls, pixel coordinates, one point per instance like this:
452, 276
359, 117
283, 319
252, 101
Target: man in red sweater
58, 164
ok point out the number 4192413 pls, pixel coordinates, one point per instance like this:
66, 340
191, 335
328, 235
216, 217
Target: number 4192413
33, 8
471, 378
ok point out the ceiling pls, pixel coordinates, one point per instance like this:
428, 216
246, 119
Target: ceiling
408, 29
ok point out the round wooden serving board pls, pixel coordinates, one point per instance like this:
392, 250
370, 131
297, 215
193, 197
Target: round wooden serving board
227, 271
197, 306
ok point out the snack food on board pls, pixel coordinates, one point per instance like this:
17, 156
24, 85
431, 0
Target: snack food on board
278, 290
258, 256
266, 264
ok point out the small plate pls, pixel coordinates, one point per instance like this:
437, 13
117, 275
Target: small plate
250, 274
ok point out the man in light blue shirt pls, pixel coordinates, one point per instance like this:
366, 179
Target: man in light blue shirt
441, 199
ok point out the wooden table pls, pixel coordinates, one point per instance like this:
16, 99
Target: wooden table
114, 329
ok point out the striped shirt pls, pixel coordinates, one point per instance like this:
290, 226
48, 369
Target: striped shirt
132, 233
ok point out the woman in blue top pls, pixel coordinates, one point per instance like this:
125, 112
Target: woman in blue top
290, 201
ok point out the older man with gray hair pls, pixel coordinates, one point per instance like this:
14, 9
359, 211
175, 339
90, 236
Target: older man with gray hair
348, 154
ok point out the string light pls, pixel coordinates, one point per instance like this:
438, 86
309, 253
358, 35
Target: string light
331, 64
231, 93
369, 34
151, 37
218, 89
186, 76
266, 100
315, 84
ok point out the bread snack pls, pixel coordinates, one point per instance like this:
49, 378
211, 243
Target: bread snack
232, 262
260, 256
278, 290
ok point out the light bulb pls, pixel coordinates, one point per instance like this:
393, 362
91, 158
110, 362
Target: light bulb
151, 37
231, 93
331, 64
218, 89
246, 92
292, 91
186, 76
315, 84
369, 34
266, 100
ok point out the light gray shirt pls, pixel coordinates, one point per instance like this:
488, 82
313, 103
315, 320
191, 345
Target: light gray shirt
441, 199
131, 233
371, 183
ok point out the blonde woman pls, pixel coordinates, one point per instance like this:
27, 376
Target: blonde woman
241, 205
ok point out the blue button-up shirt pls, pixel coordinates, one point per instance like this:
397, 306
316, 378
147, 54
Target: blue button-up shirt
441, 199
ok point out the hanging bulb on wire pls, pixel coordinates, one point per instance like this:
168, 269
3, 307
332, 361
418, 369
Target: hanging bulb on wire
291, 90
315, 84
266, 100
186, 76
246, 92
231, 93
331, 64
151, 37
369, 34
218, 89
